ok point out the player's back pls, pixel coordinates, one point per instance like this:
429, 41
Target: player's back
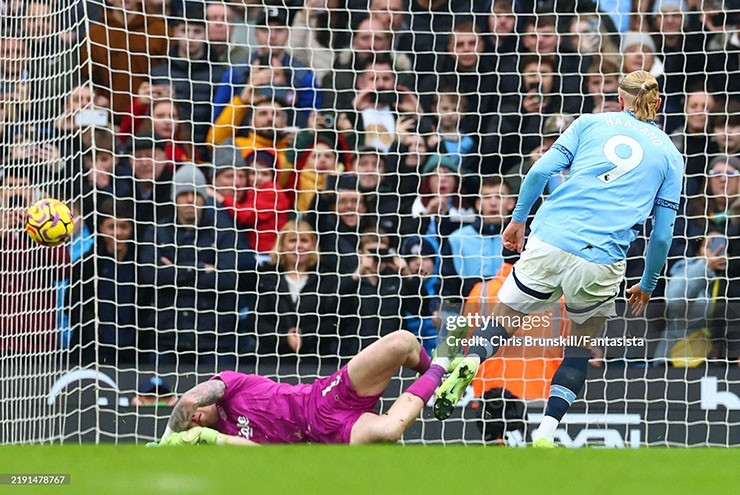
618, 166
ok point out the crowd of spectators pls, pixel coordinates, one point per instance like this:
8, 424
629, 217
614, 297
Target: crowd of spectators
259, 178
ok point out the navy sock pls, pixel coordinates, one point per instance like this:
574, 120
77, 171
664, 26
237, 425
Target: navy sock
487, 340
567, 381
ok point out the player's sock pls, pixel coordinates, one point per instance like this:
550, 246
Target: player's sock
424, 386
442, 361
424, 362
566, 384
487, 340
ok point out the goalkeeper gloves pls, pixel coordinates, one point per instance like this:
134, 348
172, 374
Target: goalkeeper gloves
194, 436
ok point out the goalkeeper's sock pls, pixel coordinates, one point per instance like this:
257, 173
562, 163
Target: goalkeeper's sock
565, 386
425, 385
424, 362
487, 340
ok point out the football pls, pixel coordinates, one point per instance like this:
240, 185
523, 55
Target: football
49, 222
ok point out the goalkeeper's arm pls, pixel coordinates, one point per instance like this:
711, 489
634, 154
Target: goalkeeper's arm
204, 394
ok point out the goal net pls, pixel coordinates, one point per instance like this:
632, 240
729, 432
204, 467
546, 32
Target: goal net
271, 186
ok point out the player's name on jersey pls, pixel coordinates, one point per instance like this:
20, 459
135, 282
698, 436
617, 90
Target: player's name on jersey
559, 341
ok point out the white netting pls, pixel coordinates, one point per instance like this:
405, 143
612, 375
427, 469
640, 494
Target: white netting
387, 139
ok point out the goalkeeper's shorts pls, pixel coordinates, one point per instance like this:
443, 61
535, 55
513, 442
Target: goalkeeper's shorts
544, 273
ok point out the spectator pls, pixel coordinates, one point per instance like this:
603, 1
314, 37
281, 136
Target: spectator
450, 137
588, 44
394, 15
431, 23
466, 69
52, 72
517, 132
317, 33
103, 295
380, 192
220, 27
420, 290
693, 140
602, 85
193, 70
28, 273
474, 252
371, 38
722, 191
439, 205
727, 131
154, 391
500, 29
721, 21
104, 176
316, 171
289, 80
13, 65
296, 309
247, 189
339, 230
378, 102
638, 53
693, 284
369, 303
150, 182
191, 264
265, 127
123, 50
680, 50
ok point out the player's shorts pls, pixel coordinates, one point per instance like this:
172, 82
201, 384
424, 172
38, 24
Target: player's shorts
334, 407
545, 272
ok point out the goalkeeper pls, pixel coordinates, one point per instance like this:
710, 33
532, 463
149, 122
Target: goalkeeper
238, 409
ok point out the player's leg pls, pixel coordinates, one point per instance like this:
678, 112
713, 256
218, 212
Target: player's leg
370, 373
532, 286
371, 370
589, 290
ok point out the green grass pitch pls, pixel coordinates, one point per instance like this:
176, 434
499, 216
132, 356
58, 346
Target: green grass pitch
294, 470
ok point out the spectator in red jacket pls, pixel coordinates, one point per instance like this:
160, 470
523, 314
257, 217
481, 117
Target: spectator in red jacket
246, 187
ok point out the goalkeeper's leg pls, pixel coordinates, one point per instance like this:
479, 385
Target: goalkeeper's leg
370, 373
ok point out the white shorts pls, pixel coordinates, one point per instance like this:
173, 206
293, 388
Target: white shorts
545, 272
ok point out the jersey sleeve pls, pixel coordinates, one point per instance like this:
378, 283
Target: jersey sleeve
235, 382
568, 142
669, 193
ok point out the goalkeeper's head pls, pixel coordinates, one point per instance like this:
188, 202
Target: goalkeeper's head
206, 416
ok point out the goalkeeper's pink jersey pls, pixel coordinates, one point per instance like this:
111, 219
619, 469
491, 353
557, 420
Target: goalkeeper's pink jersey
257, 408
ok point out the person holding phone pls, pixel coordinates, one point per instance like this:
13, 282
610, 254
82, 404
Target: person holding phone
289, 82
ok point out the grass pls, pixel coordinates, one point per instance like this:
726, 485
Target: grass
294, 470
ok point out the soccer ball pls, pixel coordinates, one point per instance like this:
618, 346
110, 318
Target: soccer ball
49, 222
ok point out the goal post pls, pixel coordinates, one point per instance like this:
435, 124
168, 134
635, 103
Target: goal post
270, 186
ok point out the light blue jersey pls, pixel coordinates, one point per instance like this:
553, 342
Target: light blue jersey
621, 169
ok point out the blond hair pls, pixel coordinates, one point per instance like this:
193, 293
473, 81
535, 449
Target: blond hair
295, 227
639, 89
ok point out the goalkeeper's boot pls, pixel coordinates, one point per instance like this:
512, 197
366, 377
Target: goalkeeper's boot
452, 389
543, 443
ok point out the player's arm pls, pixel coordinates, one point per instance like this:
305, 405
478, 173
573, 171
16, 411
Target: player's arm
666, 209
204, 394
556, 159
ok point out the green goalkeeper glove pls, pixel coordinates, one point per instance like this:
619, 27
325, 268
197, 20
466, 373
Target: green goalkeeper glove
194, 436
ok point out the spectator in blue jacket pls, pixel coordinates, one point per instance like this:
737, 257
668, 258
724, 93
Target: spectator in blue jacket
292, 82
474, 251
